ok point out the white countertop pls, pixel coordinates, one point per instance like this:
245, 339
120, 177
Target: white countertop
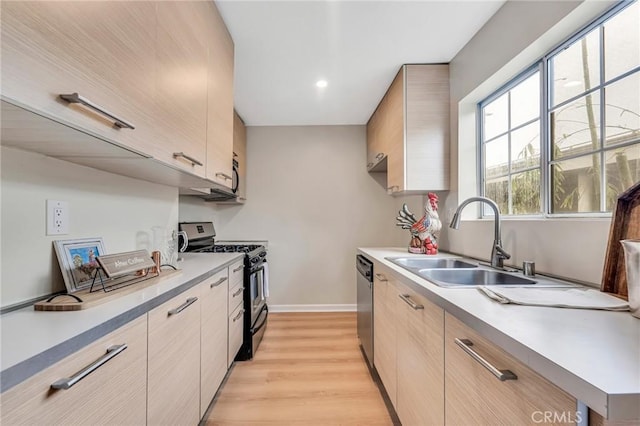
32, 339
593, 355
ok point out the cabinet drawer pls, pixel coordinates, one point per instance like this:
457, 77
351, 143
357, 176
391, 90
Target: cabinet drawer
235, 296
219, 279
114, 393
236, 321
174, 361
236, 273
473, 392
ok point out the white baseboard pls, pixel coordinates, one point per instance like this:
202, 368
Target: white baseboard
313, 308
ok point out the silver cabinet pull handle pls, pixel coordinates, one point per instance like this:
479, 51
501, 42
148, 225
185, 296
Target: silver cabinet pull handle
67, 382
190, 301
75, 98
224, 175
410, 302
217, 283
238, 268
239, 315
369, 165
190, 159
380, 156
502, 375
240, 290
381, 277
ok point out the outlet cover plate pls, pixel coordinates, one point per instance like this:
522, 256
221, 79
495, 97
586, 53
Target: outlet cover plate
57, 217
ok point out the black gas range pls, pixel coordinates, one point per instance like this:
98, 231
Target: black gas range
201, 239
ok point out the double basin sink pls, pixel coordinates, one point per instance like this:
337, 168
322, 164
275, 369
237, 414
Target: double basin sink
453, 272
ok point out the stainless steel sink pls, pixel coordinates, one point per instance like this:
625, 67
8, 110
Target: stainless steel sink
472, 277
414, 264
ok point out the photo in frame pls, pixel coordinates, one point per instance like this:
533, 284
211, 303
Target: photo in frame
77, 259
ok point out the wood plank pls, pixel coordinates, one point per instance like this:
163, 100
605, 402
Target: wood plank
309, 370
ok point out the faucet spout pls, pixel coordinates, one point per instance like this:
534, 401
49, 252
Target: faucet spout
498, 254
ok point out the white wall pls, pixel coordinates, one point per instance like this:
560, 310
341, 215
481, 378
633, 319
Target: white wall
309, 195
516, 36
118, 209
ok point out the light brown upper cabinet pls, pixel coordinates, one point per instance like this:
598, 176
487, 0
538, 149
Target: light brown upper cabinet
156, 79
220, 121
103, 51
240, 155
408, 134
182, 56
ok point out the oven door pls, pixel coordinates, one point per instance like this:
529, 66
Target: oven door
256, 293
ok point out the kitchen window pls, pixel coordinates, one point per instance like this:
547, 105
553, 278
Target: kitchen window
564, 136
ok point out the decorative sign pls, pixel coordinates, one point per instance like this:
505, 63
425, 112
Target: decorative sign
115, 265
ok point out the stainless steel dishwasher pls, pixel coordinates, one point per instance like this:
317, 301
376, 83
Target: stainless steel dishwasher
365, 306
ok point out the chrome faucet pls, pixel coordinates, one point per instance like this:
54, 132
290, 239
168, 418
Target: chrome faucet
497, 252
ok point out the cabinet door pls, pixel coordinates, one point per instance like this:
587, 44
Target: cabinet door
114, 393
236, 322
240, 154
384, 330
420, 359
174, 361
220, 123
182, 84
473, 393
374, 146
427, 127
102, 50
213, 336
393, 134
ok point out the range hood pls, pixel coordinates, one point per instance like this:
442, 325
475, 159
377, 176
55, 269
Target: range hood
213, 193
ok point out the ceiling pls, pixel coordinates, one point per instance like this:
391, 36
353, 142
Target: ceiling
282, 48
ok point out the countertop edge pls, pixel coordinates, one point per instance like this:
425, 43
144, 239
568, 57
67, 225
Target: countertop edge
610, 406
27, 368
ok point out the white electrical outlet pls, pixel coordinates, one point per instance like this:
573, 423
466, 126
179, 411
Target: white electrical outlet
57, 217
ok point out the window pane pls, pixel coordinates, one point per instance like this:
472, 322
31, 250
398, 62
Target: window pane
576, 69
622, 42
575, 185
525, 101
495, 116
525, 147
496, 157
575, 127
525, 190
498, 191
623, 170
622, 110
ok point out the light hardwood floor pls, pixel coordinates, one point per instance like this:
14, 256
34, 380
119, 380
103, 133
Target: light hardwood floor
309, 370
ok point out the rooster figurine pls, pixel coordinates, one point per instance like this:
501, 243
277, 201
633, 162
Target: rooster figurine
424, 231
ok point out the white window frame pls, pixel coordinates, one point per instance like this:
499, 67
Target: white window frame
543, 66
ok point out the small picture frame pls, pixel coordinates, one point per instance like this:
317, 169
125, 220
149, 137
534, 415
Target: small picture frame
77, 259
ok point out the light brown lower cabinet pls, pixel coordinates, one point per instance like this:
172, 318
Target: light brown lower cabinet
384, 330
475, 395
173, 391
213, 336
420, 359
113, 394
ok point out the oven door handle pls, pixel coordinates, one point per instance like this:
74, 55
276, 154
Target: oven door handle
256, 329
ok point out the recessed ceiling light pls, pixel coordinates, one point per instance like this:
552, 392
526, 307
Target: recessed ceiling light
321, 83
